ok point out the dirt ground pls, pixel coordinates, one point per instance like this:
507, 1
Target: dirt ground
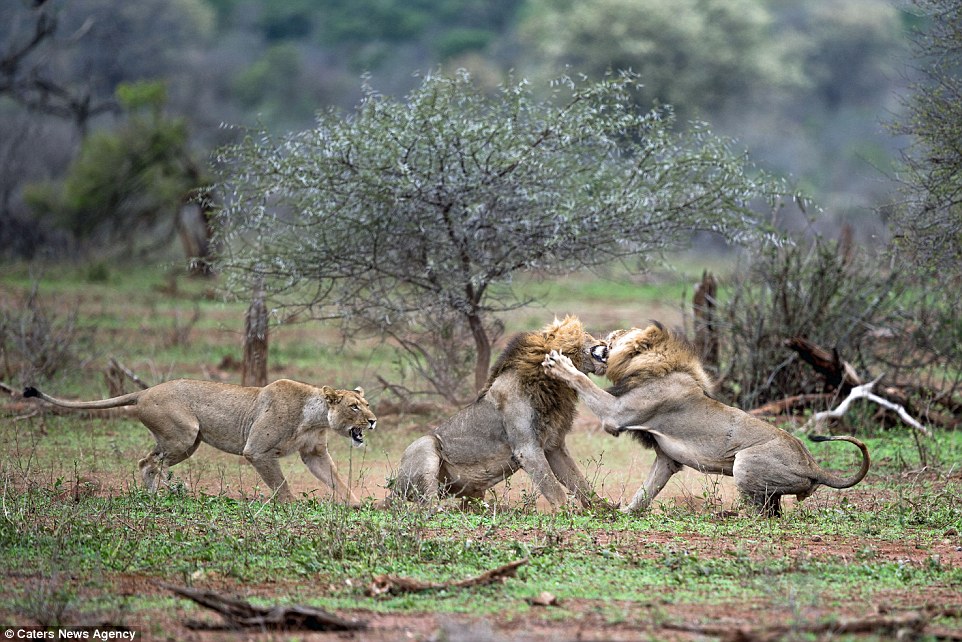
893, 613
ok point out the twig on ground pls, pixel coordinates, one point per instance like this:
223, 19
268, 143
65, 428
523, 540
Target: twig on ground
389, 584
239, 613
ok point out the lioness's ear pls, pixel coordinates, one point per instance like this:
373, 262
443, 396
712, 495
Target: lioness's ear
359, 390
330, 394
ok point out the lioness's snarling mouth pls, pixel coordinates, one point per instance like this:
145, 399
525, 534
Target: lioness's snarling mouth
357, 437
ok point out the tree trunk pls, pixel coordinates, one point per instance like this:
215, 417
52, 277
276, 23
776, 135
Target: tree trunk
706, 332
482, 345
254, 368
193, 227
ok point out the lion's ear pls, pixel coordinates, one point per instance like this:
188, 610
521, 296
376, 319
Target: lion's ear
330, 394
651, 336
359, 390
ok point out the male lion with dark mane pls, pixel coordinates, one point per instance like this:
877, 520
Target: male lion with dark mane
519, 420
662, 395
261, 424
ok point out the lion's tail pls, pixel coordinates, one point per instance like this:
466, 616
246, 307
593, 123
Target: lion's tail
114, 402
834, 481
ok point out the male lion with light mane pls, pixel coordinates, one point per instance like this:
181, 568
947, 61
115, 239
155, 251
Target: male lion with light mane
519, 420
262, 424
662, 396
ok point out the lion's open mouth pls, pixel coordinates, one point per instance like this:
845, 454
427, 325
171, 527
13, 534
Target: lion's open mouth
600, 353
357, 437
600, 356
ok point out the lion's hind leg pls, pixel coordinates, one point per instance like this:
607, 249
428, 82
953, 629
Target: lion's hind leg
762, 480
767, 504
176, 441
418, 476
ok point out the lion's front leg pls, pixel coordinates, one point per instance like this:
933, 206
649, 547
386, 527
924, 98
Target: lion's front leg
532, 459
661, 471
570, 475
270, 471
322, 466
519, 425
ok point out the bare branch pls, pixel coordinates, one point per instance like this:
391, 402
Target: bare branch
865, 392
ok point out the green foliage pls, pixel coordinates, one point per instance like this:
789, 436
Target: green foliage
458, 41
127, 178
135, 97
401, 217
275, 86
846, 50
396, 21
288, 20
695, 55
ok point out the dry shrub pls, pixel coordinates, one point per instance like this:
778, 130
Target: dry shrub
435, 346
826, 291
37, 342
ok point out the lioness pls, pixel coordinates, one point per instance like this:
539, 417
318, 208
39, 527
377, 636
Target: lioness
519, 420
661, 395
262, 424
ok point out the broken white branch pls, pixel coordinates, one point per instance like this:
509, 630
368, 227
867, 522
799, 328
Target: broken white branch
865, 392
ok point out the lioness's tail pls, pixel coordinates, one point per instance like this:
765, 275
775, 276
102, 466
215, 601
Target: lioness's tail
115, 402
834, 481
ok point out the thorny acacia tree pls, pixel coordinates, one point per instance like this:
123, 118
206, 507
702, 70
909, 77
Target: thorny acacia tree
404, 215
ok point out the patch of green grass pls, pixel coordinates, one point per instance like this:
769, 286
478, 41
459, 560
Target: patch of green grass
180, 538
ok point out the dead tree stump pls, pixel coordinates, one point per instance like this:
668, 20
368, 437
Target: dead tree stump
706, 330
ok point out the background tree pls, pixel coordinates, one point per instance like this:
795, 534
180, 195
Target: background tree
126, 180
930, 224
25, 75
67, 61
410, 217
696, 55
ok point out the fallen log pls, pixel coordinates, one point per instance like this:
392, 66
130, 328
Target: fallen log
792, 404
898, 626
908, 624
238, 614
838, 374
